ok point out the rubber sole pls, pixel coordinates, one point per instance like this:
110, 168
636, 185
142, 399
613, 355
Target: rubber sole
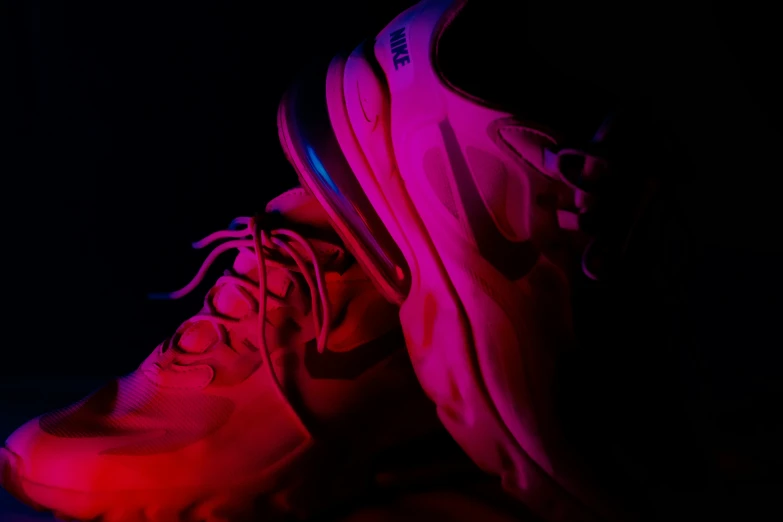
304, 484
425, 463
324, 474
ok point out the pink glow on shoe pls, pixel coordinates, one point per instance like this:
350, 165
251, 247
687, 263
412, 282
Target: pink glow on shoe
478, 210
292, 342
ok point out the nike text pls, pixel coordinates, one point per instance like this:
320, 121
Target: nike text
399, 48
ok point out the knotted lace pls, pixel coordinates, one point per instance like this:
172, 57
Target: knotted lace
250, 236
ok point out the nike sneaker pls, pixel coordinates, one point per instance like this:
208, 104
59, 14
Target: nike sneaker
470, 216
275, 398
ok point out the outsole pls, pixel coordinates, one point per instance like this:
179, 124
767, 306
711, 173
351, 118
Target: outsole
326, 473
301, 486
291, 498
426, 463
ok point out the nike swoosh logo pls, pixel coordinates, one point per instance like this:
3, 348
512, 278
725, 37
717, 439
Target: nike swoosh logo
371, 120
351, 363
513, 259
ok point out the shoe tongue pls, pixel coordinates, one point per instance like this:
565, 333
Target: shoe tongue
300, 207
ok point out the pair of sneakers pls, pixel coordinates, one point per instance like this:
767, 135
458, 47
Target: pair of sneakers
418, 279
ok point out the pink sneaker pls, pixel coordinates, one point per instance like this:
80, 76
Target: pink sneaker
275, 397
460, 212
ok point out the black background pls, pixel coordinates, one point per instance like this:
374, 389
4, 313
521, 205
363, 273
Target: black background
142, 126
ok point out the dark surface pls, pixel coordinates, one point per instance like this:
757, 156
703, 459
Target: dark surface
139, 127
